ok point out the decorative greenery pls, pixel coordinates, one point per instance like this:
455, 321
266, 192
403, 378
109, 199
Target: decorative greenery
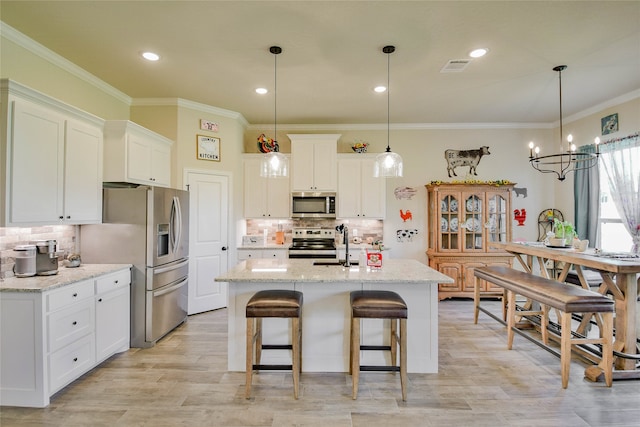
564, 229
497, 183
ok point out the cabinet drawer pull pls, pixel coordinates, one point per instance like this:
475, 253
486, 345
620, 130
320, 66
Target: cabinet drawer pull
100, 300
74, 323
115, 281
75, 359
75, 294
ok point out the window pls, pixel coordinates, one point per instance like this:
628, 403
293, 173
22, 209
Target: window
613, 234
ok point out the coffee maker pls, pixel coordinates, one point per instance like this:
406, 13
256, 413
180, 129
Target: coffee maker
46, 258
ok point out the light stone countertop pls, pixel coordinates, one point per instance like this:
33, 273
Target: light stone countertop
65, 276
303, 270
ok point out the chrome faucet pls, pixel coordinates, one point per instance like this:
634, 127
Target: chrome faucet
345, 233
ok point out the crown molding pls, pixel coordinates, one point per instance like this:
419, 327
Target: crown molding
15, 36
184, 103
403, 126
599, 107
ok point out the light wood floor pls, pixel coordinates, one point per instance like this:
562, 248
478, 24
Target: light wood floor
183, 381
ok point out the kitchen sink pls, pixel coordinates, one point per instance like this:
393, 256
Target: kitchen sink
336, 263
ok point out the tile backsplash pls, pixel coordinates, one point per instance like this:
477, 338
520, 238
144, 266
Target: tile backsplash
10, 237
365, 228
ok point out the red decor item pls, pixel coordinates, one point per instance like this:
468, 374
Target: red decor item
374, 259
406, 216
520, 215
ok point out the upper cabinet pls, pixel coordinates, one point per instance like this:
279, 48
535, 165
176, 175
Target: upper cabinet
360, 195
264, 197
313, 162
136, 155
52, 154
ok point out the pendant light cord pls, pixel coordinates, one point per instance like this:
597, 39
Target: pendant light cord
560, 87
388, 99
388, 50
560, 69
276, 50
275, 98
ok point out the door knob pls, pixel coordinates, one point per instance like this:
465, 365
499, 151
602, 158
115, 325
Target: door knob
224, 248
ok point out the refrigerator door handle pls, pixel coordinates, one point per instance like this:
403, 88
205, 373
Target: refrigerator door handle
170, 268
175, 224
170, 288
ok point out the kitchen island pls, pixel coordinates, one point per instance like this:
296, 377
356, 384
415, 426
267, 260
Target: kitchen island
326, 311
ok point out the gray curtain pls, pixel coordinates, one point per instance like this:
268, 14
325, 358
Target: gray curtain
586, 187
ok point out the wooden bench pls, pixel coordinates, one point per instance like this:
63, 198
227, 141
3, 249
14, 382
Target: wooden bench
549, 293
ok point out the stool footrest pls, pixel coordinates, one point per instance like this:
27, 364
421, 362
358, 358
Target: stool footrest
376, 347
272, 367
277, 347
380, 368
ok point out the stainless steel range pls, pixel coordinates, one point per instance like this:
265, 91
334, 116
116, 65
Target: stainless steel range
313, 243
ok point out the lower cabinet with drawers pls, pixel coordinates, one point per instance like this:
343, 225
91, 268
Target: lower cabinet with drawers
51, 338
255, 253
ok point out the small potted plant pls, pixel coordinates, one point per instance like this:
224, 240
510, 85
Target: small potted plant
564, 233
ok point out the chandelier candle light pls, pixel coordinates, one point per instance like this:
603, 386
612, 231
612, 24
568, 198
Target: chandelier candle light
388, 164
274, 164
566, 161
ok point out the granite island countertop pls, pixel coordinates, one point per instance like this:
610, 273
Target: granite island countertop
65, 276
303, 270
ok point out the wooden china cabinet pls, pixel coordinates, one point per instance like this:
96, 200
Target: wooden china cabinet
463, 220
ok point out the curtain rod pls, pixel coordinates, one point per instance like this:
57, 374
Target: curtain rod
633, 135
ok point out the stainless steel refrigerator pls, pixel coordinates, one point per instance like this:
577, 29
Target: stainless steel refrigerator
147, 227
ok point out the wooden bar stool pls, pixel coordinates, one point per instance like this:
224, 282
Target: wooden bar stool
274, 303
379, 305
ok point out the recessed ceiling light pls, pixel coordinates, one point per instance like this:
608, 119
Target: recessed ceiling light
261, 90
380, 89
150, 56
477, 53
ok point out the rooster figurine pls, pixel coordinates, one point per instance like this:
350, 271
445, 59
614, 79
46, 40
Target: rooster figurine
406, 216
520, 215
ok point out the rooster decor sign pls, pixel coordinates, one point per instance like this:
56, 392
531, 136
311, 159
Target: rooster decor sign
406, 216
520, 215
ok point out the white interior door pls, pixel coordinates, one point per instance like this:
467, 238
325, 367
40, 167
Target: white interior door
208, 239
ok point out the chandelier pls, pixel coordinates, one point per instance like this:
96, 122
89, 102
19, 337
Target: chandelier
388, 164
565, 161
274, 164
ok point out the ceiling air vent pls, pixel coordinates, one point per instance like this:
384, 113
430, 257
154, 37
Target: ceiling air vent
455, 65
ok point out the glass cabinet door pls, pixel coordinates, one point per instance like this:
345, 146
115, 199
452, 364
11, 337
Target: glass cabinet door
472, 225
449, 222
497, 217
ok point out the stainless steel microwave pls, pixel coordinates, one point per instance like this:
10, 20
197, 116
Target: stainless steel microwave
313, 205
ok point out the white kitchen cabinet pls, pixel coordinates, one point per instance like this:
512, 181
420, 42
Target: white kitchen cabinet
51, 338
53, 154
359, 195
273, 253
264, 197
112, 314
134, 154
313, 162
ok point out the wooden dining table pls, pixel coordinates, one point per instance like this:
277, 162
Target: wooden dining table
620, 277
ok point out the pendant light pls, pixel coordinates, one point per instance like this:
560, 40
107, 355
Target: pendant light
275, 164
565, 161
388, 164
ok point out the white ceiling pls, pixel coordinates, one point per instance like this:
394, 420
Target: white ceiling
217, 53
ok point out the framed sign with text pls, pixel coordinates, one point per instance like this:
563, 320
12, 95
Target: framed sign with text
208, 148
